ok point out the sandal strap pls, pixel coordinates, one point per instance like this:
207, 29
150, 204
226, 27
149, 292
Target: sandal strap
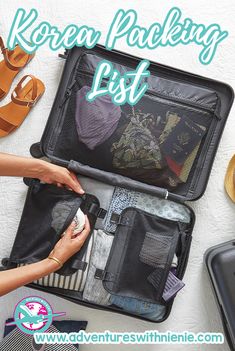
7, 57
6, 126
18, 88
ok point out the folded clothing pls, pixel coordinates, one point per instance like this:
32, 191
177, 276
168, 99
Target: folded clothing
173, 286
75, 281
94, 290
151, 142
95, 120
13, 337
142, 308
163, 208
123, 198
102, 191
157, 149
138, 147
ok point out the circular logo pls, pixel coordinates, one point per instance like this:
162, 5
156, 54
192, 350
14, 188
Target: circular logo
33, 314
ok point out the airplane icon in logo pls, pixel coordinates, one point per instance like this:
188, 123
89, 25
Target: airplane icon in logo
28, 317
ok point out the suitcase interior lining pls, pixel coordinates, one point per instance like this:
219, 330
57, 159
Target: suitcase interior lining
54, 195
66, 145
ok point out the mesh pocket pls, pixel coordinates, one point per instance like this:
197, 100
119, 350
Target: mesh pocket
38, 231
134, 258
155, 249
47, 213
155, 277
156, 141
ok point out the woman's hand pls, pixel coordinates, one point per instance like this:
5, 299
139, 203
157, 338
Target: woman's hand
52, 174
68, 245
11, 165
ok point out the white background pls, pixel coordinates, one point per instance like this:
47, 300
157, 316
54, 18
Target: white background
194, 309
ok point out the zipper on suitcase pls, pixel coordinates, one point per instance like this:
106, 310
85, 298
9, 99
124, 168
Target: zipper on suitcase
68, 93
183, 103
64, 55
190, 105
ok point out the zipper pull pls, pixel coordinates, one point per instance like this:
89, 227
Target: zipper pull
64, 55
66, 96
67, 93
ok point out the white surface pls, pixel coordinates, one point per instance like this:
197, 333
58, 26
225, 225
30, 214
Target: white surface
194, 309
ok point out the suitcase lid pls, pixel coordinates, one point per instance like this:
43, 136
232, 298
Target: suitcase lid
198, 105
220, 263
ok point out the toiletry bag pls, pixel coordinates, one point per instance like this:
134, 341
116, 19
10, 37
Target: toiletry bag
163, 146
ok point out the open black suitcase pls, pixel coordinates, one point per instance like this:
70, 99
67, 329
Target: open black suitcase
158, 152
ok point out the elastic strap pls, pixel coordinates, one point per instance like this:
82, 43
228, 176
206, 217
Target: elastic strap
79, 265
119, 219
102, 274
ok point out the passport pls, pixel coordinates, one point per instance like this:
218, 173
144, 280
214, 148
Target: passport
180, 143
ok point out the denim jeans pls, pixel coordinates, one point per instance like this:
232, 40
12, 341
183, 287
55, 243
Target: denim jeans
142, 308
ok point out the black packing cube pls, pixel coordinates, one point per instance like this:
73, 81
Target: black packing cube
152, 157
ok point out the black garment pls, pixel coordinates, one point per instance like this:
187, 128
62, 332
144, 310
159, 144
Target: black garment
65, 326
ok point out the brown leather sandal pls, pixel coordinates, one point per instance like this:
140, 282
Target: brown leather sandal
14, 61
23, 99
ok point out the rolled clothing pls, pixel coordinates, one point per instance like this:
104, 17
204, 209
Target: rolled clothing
163, 208
95, 120
122, 198
138, 147
102, 191
94, 290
